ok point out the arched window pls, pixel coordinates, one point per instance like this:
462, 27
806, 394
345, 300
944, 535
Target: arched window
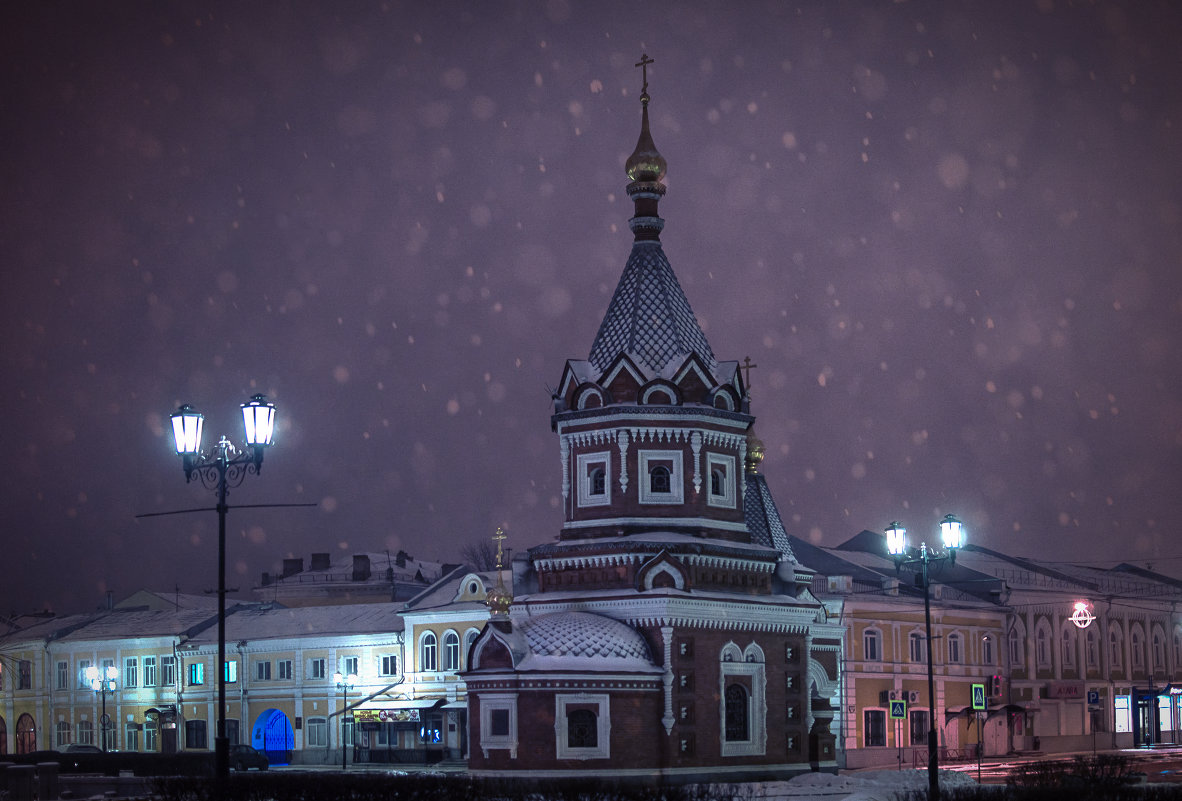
1092, 649
1159, 649
469, 637
1068, 645
1177, 648
428, 648
26, 734
1137, 647
1015, 649
598, 480
582, 729
717, 482
917, 646
1115, 647
955, 649
987, 656
737, 714
1042, 645
63, 732
85, 732
451, 651
658, 480
872, 645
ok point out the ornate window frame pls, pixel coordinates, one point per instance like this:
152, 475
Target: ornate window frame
602, 704
748, 663
728, 497
587, 463
649, 459
490, 702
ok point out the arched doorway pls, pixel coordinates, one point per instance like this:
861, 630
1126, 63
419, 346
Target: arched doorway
3, 736
26, 734
272, 734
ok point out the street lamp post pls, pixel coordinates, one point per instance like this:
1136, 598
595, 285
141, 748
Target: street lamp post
225, 467
344, 684
952, 537
102, 682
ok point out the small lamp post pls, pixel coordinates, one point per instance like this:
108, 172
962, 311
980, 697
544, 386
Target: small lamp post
225, 467
344, 684
952, 538
102, 682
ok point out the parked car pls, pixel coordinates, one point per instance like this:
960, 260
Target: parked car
244, 757
79, 748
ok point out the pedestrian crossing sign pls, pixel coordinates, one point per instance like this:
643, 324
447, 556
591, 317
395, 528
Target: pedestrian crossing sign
978, 696
898, 710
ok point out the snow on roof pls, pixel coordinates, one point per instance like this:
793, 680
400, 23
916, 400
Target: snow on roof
266, 622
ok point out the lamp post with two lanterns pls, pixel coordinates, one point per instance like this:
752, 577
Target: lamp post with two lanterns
226, 466
344, 684
102, 682
952, 538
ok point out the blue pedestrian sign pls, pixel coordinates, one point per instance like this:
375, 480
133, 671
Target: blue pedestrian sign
898, 710
978, 696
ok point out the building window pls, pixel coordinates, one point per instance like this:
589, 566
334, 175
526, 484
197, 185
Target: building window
262, 671
197, 673
316, 733
582, 726
1115, 647
62, 733
83, 666
428, 648
1015, 650
316, 669
920, 726
745, 671
195, 734
167, 671
151, 737
987, 650
1091, 649
498, 723
917, 647
662, 477
1136, 646
131, 673
873, 728
131, 737
451, 651
231, 671
283, 668
1068, 646
1159, 650
872, 645
149, 671
389, 665
349, 666
954, 650
85, 732
63, 675
24, 675
722, 480
594, 487
1123, 714
1042, 646
736, 718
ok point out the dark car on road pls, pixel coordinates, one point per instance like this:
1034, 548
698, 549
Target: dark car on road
243, 757
79, 748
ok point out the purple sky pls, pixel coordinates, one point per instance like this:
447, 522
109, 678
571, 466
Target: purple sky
947, 233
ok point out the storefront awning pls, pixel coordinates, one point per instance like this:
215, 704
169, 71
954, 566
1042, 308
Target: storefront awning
455, 705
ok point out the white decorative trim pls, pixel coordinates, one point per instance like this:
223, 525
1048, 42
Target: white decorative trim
667, 719
624, 364
647, 395
602, 749
725, 500
656, 522
651, 412
488, 703
593, 392
756, 744
676, 493
564, 451
667, 569
615, 559
586, 463
622, 439
696, 446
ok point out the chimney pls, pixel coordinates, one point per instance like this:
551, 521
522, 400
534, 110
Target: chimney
360, 567
266, 580
293, 566
321, 561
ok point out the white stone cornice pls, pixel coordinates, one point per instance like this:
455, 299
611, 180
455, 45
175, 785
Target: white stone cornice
656, 522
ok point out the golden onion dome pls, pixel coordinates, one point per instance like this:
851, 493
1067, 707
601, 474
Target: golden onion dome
755, 452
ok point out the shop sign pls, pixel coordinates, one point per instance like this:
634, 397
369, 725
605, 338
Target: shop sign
386, 715
1065, 689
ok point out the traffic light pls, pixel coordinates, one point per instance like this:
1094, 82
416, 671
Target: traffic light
993, 686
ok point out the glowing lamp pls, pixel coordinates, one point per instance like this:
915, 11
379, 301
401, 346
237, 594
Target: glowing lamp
951, 532
259, 418
186, 430
896, 537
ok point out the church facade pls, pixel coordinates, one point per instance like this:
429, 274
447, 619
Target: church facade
668, 630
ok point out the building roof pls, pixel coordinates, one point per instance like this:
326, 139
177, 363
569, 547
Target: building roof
267, 622
649, 317
763, 518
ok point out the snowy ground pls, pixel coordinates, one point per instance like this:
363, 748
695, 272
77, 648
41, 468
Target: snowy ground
876, 785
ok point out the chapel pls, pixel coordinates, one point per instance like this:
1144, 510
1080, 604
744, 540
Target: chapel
668, 630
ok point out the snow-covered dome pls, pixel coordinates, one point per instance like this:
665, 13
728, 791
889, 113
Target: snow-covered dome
584, 635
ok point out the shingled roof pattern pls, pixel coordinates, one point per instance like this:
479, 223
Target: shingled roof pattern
582, 634
763, 518
649, 317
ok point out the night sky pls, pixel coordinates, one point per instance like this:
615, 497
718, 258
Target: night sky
947, 233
